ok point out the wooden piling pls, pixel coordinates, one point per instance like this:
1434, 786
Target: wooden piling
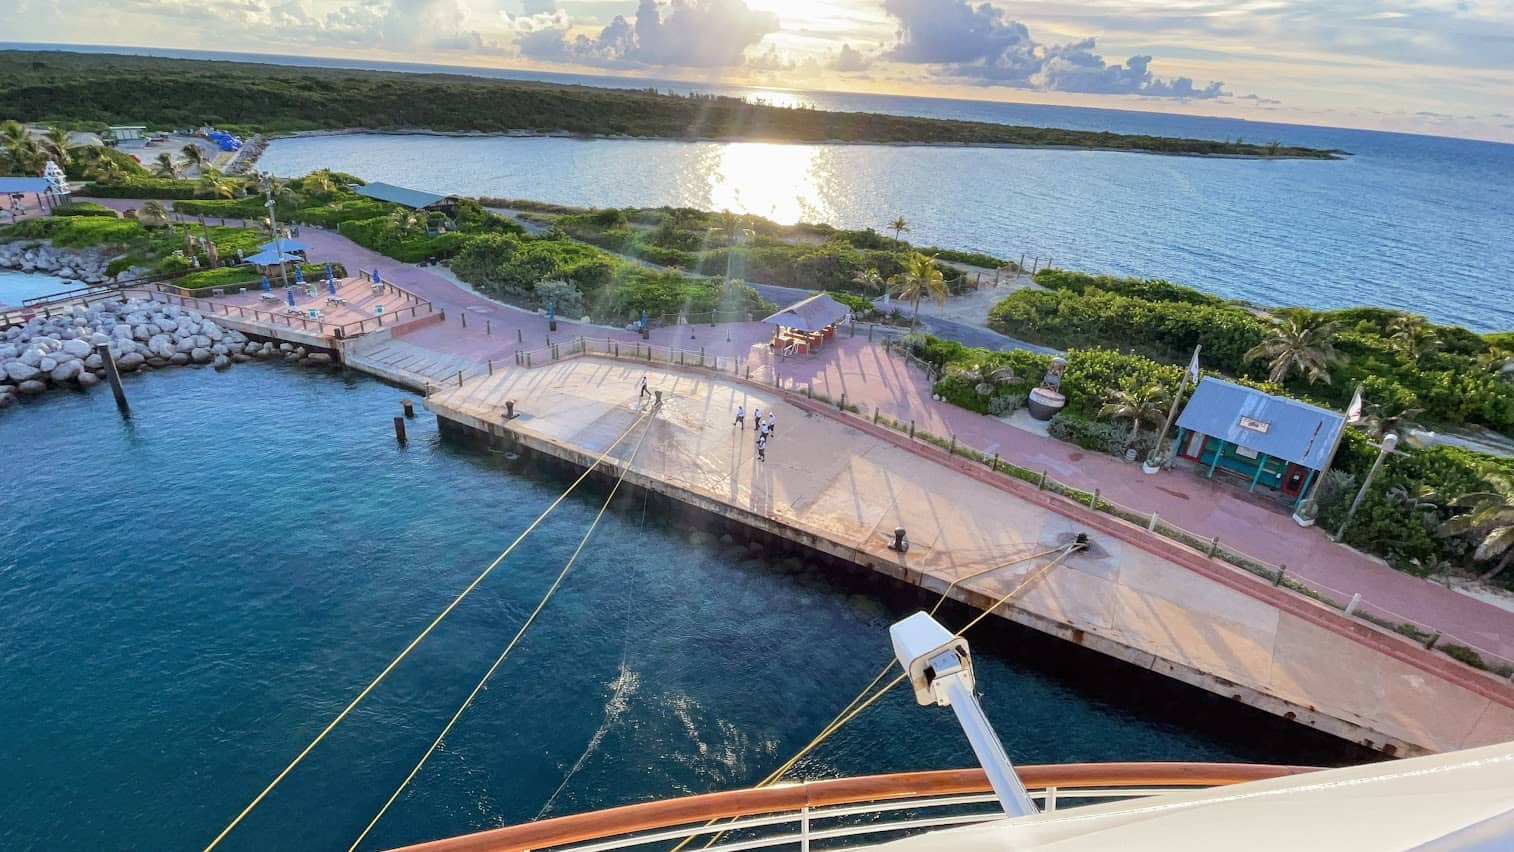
408, 407
399, 429
113, 376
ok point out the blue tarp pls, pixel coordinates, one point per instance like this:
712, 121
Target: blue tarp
270, 258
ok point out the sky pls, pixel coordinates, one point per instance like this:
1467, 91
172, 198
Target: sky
1444, 67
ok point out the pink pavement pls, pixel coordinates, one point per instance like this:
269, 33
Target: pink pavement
870, 377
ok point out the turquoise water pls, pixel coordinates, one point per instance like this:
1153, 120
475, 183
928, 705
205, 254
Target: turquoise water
17, 286
188, 596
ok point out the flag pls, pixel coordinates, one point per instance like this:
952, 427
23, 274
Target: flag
1193, 366
1354, 410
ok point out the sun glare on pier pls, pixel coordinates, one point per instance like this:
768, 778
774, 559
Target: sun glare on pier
784, 183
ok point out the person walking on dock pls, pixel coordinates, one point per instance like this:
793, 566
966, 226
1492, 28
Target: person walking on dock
741, 417
762, 448
771, 428
756, 416
762, 433
644, 391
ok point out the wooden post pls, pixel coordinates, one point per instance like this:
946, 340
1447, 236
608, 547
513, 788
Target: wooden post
953, 449
464, 315
995, 464
113, 376
519, 337
1214, 544
1281, 570
408, 407
399, 429
1430, 644
1041, 485
1151, 525
876, 412
912, 430
488, 327
1093, 501
491, 366
459, 378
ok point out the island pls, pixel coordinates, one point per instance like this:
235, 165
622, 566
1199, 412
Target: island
76, 89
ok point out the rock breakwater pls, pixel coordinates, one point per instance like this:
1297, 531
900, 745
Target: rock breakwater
60, 351
85, 266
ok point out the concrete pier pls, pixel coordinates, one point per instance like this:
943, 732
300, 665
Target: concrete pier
839, 486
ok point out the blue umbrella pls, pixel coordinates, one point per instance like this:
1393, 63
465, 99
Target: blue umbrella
266, 287
331, 285
329, 276
290, 294
299, 276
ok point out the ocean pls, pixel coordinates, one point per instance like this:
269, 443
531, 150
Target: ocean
188, 596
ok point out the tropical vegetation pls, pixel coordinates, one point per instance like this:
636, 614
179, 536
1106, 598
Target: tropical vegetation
164, 93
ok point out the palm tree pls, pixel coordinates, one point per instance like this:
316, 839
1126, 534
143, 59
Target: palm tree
321, 183
920, 279
869, 281
194, 156
1393, 417
1148, 405
215, 186
153, 215
1490, 521
405, 221
1300, 342
55, 145
1414, 336
23, 156
898, 226
165, 166
108, 170
984, 377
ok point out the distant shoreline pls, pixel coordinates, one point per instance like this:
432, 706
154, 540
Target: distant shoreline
726, 140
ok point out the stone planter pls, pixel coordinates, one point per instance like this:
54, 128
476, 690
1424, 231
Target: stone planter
1043, 404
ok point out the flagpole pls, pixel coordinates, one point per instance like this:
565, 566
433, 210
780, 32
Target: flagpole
1311, 498
1172, 413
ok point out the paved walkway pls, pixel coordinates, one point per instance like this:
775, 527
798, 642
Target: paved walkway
870, 377
844, 484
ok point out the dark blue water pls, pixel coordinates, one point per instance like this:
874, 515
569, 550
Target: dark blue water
188, 597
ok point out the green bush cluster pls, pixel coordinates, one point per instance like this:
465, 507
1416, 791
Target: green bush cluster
247, 276
85, 208
1100, 437
1165, 321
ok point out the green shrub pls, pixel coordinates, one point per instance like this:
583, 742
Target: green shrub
85, 208
248, 276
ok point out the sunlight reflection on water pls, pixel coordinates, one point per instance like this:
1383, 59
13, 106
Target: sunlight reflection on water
785, 183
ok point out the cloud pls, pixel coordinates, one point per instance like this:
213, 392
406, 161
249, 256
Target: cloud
980, 43
851, 59
685, 33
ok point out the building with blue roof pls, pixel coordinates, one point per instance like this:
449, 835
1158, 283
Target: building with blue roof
1272, 441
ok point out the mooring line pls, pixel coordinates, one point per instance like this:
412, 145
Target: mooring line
417, 640
498, 661
854, 708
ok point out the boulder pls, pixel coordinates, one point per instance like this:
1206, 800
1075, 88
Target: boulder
221, 362
47, 364
219, 349
240, 357
6, 399
318, 358
286, 347
20, 371
31, 356
88, 379
201, 341
66, 371
167, 324
200, 355
211, 330
130, 362
31, 387
93, 362
179, 358
99, 339
253, 348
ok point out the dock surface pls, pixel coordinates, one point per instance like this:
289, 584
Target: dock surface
840, 488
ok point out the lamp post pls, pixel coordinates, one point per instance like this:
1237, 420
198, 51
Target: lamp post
1390, 441
266, 180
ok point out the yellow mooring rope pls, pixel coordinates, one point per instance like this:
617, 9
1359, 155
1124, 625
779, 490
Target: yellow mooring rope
435, 744
417, 640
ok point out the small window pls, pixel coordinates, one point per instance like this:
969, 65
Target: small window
1255, 425
1245, 453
